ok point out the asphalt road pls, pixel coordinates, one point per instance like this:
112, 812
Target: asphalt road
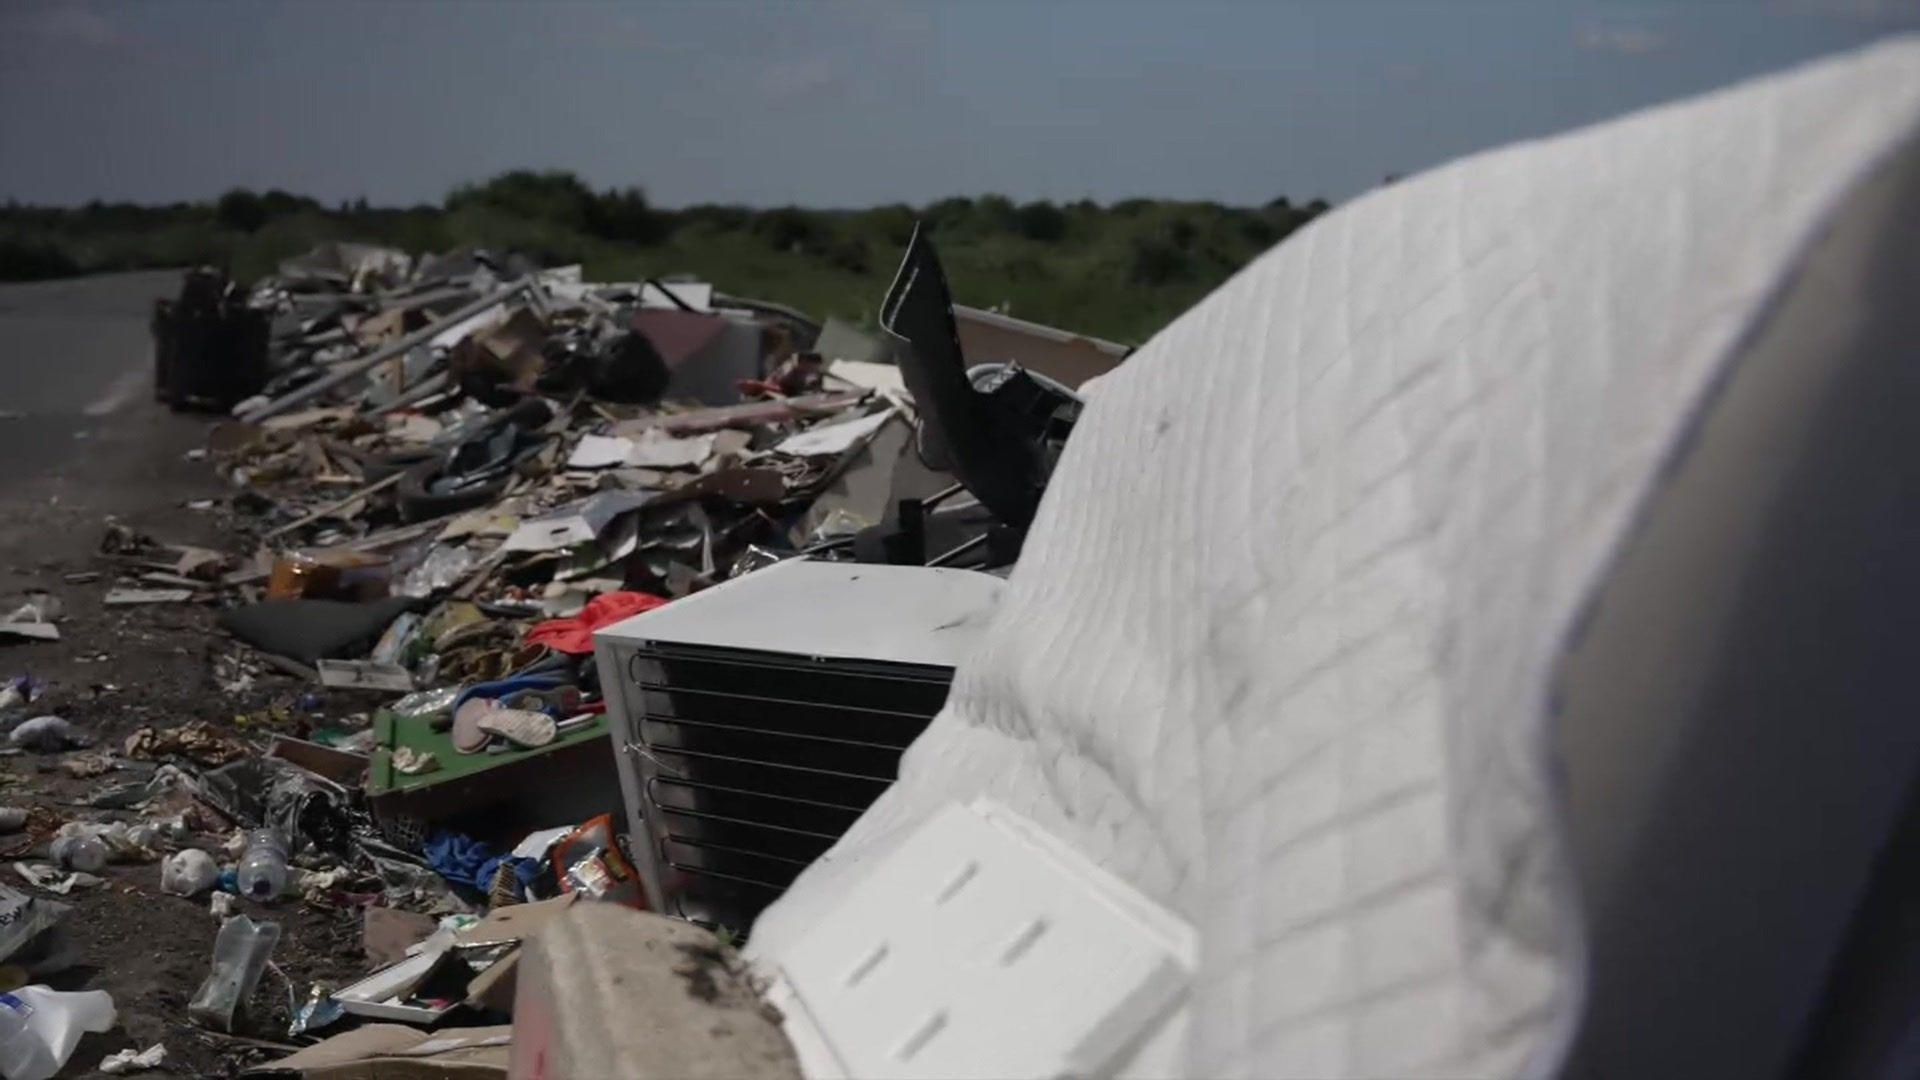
75, 358
81, 437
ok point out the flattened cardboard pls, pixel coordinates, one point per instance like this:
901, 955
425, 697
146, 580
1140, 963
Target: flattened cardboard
397, 1052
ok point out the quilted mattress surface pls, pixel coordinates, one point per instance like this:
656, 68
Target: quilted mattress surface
1278, 649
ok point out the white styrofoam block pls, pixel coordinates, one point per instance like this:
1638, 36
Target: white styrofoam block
1293, 599
978, 948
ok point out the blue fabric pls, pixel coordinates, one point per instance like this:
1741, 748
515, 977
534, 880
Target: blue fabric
463, 860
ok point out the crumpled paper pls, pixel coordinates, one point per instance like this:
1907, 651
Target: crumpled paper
130, 1060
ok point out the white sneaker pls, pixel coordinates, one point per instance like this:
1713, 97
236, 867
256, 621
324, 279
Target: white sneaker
521, 727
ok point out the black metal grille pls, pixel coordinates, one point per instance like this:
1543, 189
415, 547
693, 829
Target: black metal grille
753, 764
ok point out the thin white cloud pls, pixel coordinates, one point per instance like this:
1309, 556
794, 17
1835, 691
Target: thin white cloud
789, 79
1621, 40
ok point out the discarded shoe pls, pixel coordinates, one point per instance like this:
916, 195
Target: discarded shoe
521, 727
468, 738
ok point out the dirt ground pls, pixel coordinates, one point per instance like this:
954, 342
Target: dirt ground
116, 669
148, 949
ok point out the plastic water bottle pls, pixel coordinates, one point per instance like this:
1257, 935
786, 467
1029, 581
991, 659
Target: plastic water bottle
263, 868
40, 1027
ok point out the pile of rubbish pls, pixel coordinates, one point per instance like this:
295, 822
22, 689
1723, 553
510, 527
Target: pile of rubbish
608, 608
448, 474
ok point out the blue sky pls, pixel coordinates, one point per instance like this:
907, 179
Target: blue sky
848, 103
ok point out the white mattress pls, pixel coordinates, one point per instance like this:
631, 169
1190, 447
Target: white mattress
1278, 648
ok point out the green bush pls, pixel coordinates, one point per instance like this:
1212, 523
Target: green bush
1156, 260
893, 223
245, 211
950, 214
554, 198
1041, 221
1119, 271
27, 260
714, 217
787, 228
625, 216
846, 253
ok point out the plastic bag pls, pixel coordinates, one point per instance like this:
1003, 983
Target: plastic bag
240, 954
30, 933
443, 568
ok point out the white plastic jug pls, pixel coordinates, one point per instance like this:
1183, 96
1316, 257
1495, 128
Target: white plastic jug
40, 1027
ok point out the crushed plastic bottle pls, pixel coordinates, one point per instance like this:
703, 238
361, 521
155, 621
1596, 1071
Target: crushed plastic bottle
126, 843
443, 568
240, 954
79, 852
39, 1028
262, 874
426, 702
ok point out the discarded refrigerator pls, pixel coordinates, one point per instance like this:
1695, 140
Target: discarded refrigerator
753, 722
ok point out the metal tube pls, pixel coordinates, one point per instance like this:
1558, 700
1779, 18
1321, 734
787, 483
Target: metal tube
370, 361
943, 560
421, 391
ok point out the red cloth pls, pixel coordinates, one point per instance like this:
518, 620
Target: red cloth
575, 635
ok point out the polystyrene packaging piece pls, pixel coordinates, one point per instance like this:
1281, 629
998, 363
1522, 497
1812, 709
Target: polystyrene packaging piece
40, 1027
982, 946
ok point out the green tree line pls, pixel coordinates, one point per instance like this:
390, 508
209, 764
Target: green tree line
1119, 270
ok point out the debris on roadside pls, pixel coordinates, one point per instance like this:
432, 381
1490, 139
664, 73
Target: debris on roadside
32, 934
188, 872
47, 734
125, 597
35, 618
19, 690
452, 478
197, 741
42, 1027
240, 955
130, 1060
399, 1050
